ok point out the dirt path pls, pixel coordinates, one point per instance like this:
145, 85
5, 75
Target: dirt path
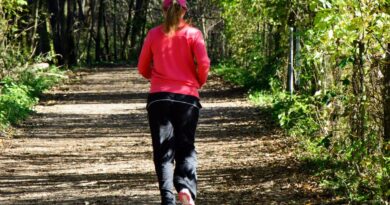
89, 143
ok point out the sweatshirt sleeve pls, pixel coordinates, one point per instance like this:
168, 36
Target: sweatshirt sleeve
145, 58
202, 58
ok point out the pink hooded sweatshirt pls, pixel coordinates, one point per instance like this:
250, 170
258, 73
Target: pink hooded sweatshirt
176, 64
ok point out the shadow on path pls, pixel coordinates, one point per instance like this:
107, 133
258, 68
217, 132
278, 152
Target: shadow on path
88, 143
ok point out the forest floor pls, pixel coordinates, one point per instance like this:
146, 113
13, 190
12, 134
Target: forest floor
88, 143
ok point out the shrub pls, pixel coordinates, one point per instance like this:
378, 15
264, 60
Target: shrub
19, 94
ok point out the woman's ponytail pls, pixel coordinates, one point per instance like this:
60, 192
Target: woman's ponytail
172, 17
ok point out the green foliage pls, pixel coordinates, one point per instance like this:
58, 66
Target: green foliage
336, 111
40, 79
245, 78
348, 165
19, 95
261, 98
12, 6
11, 53
21, 84
245, 29
296, 114
15, 102
322, 130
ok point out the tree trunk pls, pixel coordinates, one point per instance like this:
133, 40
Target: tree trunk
81, 11
90, 38
264, 53
36, 9
106, 39
138, 23
55, 8
358, 112
64, 5
386, 96
205, 33
70, 47
63, 31
127, 31
270, 43
78, 27
44, 40
114, 25
98, 50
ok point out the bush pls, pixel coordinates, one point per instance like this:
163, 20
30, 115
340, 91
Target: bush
243, 77
261, 98
350, 166
15, 102
19, 94
40, 79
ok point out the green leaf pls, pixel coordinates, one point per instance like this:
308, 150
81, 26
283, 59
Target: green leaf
21, 2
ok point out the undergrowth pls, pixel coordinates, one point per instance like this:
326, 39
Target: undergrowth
19, 93
356, 170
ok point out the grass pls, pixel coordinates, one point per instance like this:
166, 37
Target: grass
261, 98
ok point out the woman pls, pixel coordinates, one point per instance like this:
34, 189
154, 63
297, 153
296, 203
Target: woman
174, 59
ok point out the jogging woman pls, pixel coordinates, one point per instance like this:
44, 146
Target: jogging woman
174, 59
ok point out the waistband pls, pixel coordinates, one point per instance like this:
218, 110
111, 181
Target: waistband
173, 97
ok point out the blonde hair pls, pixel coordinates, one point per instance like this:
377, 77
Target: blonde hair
172, 17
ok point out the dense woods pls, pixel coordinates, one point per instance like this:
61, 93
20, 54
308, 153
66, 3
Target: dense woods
324, 64
90, 31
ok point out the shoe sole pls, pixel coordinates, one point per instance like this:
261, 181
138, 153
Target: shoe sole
184, 198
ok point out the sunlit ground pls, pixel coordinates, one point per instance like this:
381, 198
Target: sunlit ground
88, 143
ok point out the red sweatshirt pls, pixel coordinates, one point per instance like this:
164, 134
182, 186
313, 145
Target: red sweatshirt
177, 63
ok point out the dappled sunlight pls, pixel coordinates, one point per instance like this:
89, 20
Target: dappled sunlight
92, 109
90, 143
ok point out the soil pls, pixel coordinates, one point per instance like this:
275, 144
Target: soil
88, 142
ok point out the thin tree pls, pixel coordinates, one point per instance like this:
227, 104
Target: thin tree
386, 96
35, 12
91, 31
141, 7
127, 30
70, 45
52, 8
106, 38
98, 49
115, 30
44, 40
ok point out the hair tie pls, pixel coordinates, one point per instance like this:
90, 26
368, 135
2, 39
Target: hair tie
169, 3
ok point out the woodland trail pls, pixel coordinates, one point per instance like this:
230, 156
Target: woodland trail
88, 143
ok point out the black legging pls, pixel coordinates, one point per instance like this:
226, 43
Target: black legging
173, 119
